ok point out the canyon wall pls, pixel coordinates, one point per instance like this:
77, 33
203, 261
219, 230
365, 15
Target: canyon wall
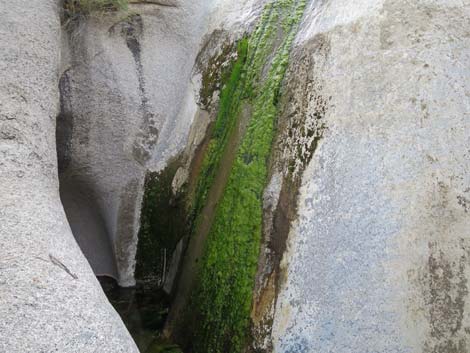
348, 233
50, 299
378, 258
130, 98
127, 89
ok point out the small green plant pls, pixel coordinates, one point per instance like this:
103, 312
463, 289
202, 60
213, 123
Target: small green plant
74, 9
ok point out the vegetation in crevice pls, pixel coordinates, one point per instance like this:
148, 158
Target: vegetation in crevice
222, 300
216, 72
73, 8
163, 223
230, 97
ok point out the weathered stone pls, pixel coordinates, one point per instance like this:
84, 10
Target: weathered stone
378, 258
373, 128
133, 104
50, 300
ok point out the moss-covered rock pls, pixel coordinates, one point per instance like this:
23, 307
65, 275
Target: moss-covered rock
164, 222
222, 300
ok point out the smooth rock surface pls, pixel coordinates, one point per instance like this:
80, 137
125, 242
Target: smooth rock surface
378, 259
127, 84
50, 300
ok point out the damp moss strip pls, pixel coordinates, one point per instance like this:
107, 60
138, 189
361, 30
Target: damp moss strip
225, 122
228, 267
159, 233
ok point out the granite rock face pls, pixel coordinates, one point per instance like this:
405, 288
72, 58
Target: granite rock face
372, 254
119, 91
50, 300
128, 105
378, 258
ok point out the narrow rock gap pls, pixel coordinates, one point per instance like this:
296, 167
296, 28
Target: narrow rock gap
154, 3
145, 307
78, 195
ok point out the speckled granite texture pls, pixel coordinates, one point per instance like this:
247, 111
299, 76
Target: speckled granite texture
378, 260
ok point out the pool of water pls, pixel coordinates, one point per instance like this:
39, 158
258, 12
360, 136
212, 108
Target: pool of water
143, 310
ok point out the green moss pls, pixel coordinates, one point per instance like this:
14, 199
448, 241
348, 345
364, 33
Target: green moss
223, 298
221, 302
159, 233
230, 97
216, 73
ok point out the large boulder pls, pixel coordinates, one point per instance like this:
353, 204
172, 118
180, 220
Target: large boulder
50, 300
128, 104
378, 259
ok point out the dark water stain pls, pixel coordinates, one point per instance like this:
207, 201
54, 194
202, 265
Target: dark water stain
464, 202
447, 291
132, 30
444, 283
125, 226
64, 124
446, 279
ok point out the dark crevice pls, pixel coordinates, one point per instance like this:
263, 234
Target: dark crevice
143, 310
145, 307
64, 124
154, 3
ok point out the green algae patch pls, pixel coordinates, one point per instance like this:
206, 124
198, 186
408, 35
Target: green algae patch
222, 300
230, 98
162, 225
